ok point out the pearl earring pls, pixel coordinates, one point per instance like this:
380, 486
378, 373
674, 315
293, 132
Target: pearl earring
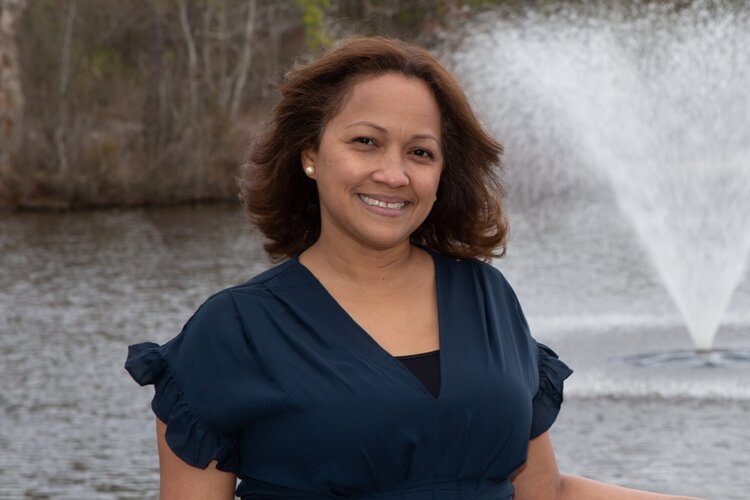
310, 170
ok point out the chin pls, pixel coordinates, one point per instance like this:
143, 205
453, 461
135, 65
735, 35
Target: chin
382, 242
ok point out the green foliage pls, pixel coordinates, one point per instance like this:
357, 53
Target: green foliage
313, 21
104, 62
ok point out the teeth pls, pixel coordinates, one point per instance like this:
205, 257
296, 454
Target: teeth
377, 203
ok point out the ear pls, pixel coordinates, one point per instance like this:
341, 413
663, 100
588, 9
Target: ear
307, 157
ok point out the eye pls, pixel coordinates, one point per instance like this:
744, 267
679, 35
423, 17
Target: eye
423, 153
367, 141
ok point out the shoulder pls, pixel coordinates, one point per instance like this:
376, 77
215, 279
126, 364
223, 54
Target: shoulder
259, 287
465, 265
488, 272
222, 317
492, 286
275, 273
482, 282
482, 274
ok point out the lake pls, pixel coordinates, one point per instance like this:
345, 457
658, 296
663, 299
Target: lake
77, 288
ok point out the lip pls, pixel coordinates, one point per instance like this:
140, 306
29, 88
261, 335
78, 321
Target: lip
388, 212
384, 197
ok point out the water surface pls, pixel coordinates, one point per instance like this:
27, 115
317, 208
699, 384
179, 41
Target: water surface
76, 289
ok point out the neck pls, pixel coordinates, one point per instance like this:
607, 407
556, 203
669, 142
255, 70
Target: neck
355, 263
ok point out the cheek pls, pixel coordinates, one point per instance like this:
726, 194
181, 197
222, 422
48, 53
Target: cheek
334, 180
432, 184
343, 171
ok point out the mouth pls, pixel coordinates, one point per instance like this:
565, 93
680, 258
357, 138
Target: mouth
390, 205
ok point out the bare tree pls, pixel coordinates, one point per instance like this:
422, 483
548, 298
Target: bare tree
153, 101
153, 132
11, 91
245, 58
193, 136
192, 60
63, 122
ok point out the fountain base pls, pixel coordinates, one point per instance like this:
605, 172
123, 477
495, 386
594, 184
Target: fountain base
653, 361
690, 358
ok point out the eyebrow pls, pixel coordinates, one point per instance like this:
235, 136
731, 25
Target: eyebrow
385, 131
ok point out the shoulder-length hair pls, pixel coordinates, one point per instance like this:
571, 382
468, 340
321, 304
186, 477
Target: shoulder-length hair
466, 221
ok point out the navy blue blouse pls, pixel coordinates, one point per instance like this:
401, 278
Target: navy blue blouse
275, 381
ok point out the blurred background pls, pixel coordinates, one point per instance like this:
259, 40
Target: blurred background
626, 128
153, 102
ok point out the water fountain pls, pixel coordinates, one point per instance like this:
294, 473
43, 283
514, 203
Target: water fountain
647, 103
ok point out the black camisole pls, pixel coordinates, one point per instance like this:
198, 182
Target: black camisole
426, 367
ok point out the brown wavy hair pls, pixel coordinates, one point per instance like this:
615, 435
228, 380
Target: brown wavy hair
466, 221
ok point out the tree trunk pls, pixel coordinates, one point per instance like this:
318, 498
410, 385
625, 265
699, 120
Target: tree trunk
11, 90
152, 109
192, 61
245, 58
195, 141
63, 121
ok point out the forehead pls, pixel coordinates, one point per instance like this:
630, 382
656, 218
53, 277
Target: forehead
392, 97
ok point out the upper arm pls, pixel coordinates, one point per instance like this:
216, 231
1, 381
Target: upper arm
178, 480
539, 477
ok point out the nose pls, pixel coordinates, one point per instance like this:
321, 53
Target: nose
392, 171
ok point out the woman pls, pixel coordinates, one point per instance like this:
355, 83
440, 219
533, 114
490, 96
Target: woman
382, 358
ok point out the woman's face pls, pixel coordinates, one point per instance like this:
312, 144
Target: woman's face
379, 162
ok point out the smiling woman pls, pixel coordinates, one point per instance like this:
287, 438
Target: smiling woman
377, 177
468, 221
383, 359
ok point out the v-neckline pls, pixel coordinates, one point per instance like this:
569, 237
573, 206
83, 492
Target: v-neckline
392, 360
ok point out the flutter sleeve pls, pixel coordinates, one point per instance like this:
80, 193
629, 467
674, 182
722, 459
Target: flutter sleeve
187, 374
541, 369
548, 399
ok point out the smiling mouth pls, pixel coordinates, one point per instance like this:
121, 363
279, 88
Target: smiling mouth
382, 204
